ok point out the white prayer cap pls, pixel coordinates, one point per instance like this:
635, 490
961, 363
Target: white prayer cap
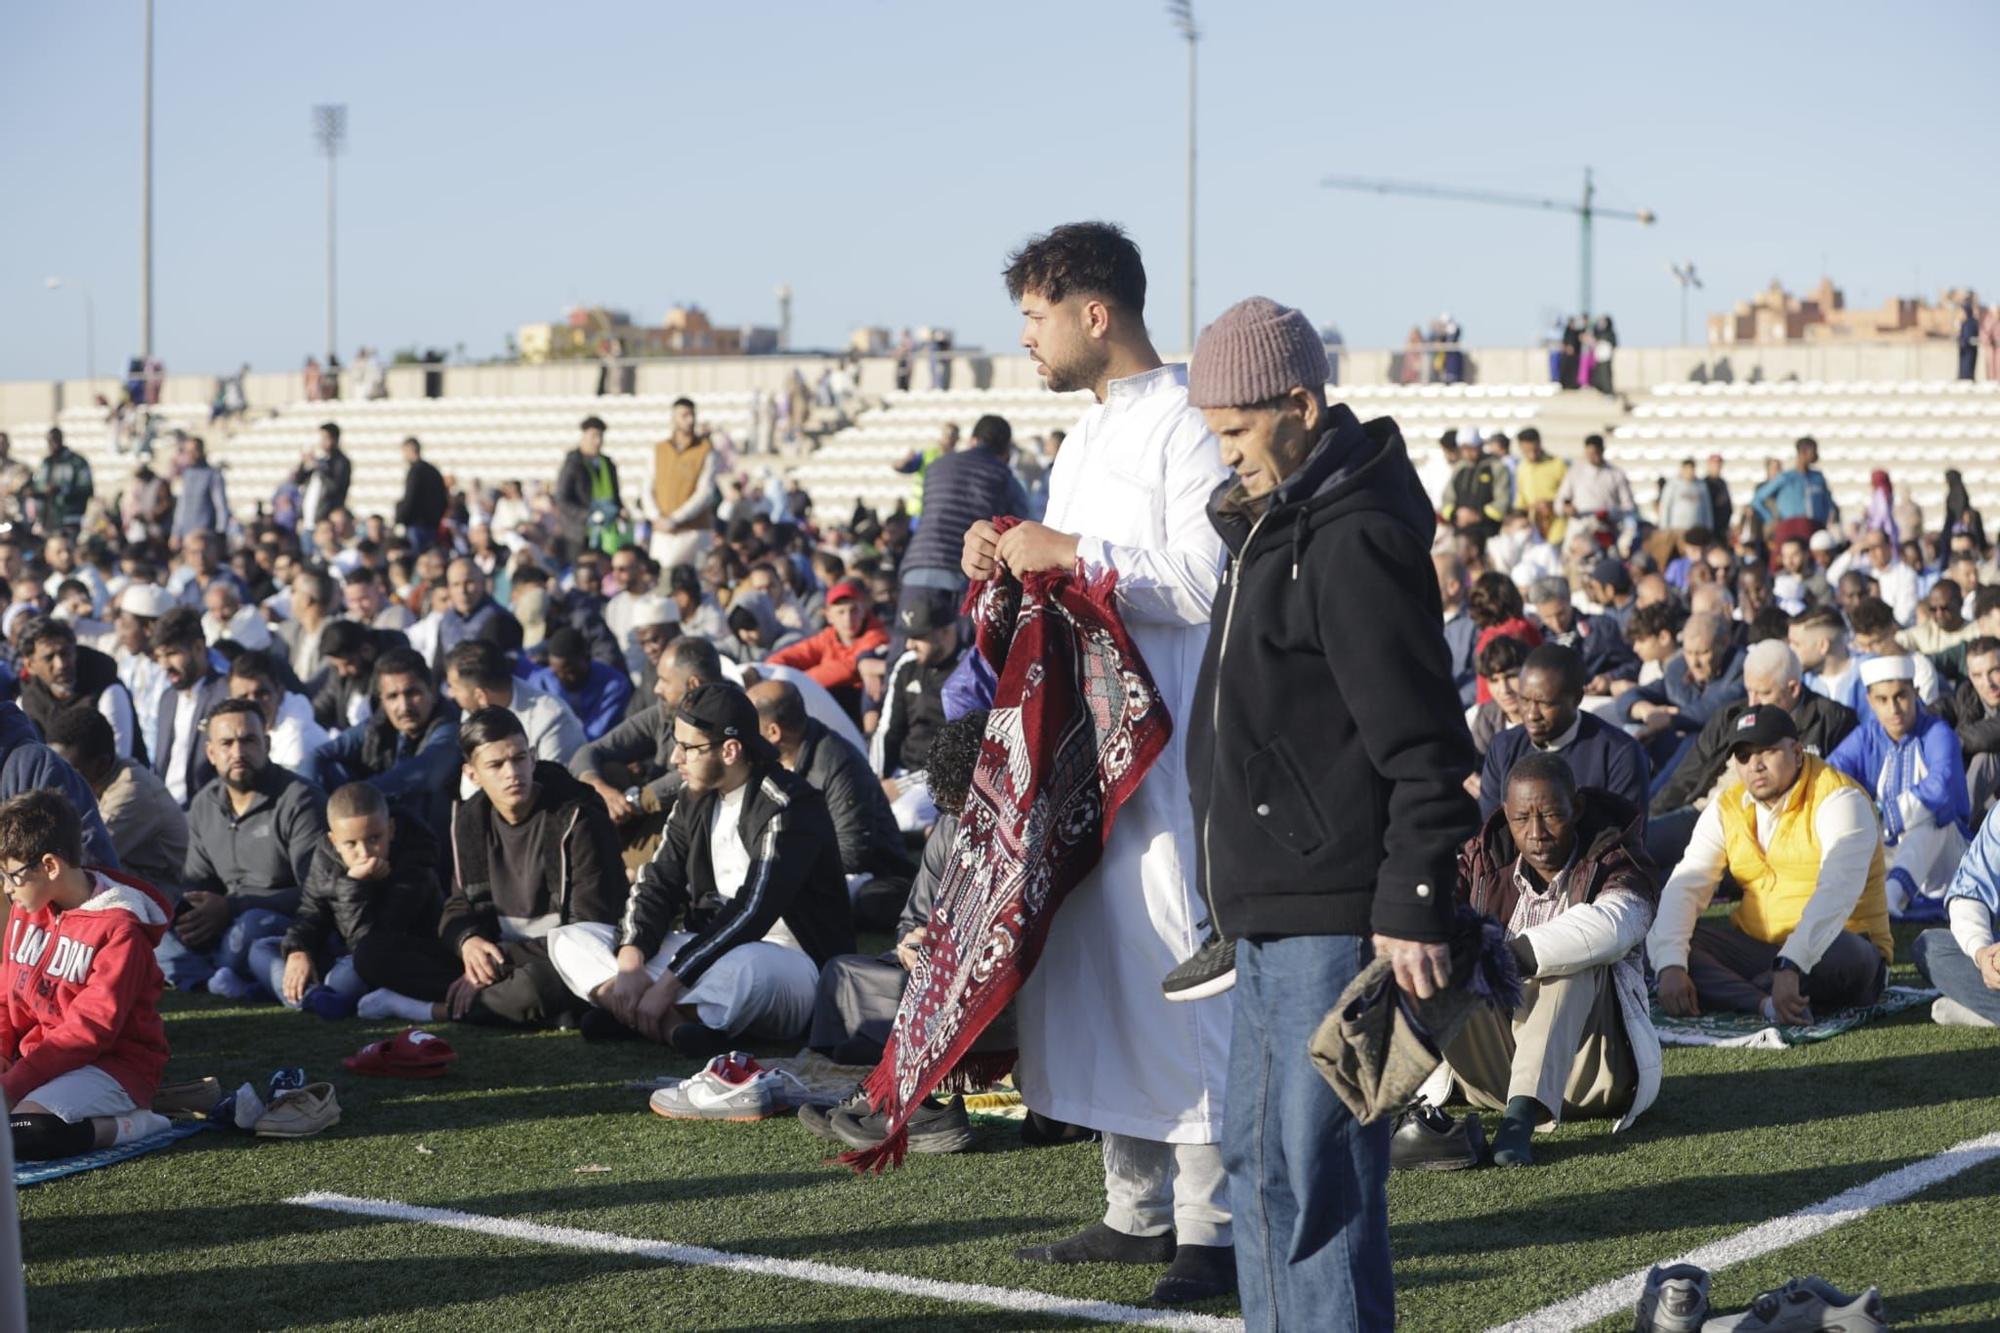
650, 611
148, 601
1878, 669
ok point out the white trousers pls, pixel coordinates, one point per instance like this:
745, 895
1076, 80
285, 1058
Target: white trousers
1929, 855
1151, 1188
755, 990
679, 548
915, 811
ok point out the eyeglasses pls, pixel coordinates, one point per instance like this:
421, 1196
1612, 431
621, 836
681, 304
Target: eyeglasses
18, 878
685, 748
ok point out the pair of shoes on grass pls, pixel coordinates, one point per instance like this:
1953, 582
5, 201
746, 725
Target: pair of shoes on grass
1427, 1138
934, 1127
1194, 1272
732, 1086
1676, 1301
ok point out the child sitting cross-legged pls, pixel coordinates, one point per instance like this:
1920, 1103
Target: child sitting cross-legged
373, 881
81, 1041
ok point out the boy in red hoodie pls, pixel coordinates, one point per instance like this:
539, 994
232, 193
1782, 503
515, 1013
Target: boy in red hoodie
81, 1043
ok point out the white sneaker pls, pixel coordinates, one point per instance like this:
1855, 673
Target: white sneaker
730, 1087
1950, 1013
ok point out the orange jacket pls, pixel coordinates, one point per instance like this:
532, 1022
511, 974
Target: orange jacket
829, 661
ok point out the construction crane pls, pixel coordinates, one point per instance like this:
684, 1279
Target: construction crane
1587, 211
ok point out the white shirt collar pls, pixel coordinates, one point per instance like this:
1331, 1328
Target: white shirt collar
1567, 739
1171, 375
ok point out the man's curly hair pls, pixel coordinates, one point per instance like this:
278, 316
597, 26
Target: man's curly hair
1095, 258
954, 754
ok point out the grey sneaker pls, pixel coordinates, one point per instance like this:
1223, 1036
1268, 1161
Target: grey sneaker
815, 1117
729, 1087
1807, 1305
1211, 971
1675, 1300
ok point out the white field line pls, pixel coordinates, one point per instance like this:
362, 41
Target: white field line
1622, 1294
800, 1270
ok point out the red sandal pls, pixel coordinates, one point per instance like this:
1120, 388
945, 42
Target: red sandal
412, 1054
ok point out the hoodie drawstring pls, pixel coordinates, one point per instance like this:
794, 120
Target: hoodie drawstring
1298, 539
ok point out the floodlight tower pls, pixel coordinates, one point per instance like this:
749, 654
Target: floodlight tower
146, 194
1685, 275
1182, 14
330, 133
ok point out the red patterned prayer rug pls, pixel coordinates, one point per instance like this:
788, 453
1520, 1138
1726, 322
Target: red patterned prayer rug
1075, 724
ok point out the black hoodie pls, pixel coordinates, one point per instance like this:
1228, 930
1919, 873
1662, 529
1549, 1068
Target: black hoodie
1328, 749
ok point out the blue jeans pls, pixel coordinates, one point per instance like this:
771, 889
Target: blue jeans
188, 970
1945, 966
1307, 1182
267, 969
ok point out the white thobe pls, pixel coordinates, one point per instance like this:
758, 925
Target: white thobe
1100, 1044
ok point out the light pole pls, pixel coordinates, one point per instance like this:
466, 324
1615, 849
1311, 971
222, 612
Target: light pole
1685, 275
146, 196
330, 132
1182, 14
89, 325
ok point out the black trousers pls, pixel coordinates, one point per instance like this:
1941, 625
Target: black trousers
528, 994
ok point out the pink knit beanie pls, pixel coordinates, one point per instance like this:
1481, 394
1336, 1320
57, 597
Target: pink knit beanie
1255, 351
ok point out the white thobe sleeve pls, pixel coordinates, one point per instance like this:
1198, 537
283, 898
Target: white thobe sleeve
1688, 891
1848, 835
116, 706
1172, 584
1971, 925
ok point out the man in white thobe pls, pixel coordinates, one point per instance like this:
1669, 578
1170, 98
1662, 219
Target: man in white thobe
1100, 1044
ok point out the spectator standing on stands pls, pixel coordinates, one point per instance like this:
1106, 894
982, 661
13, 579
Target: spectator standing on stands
684, 490
1719, 503
1968, 342
1538, 477
204, 499
1797, 502
323, 477
1593, 486
425, 500
1685, 502
64, 485
586, 495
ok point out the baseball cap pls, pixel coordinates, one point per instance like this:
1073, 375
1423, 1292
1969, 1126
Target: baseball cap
1611, 572
927, 612
847, 590
149, 601
1760, 728
722, 711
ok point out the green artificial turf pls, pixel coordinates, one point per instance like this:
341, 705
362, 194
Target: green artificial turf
198, 1235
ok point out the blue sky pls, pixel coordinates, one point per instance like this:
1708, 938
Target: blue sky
509, 159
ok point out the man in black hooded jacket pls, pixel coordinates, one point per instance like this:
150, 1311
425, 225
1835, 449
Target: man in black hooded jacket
1327, 758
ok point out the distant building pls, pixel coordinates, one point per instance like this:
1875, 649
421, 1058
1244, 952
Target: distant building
1774, 315
684, 331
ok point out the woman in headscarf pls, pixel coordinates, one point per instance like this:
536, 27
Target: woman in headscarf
1959, 515
1881, 516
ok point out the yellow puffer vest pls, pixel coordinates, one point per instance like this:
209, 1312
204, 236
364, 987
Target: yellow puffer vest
1777, 880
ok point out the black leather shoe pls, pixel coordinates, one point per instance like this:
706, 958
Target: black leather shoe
1428, 1139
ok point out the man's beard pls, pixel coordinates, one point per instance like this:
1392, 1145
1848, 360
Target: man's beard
244, 781
1069, 376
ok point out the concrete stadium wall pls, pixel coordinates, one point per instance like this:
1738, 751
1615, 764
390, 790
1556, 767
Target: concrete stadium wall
24, 402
